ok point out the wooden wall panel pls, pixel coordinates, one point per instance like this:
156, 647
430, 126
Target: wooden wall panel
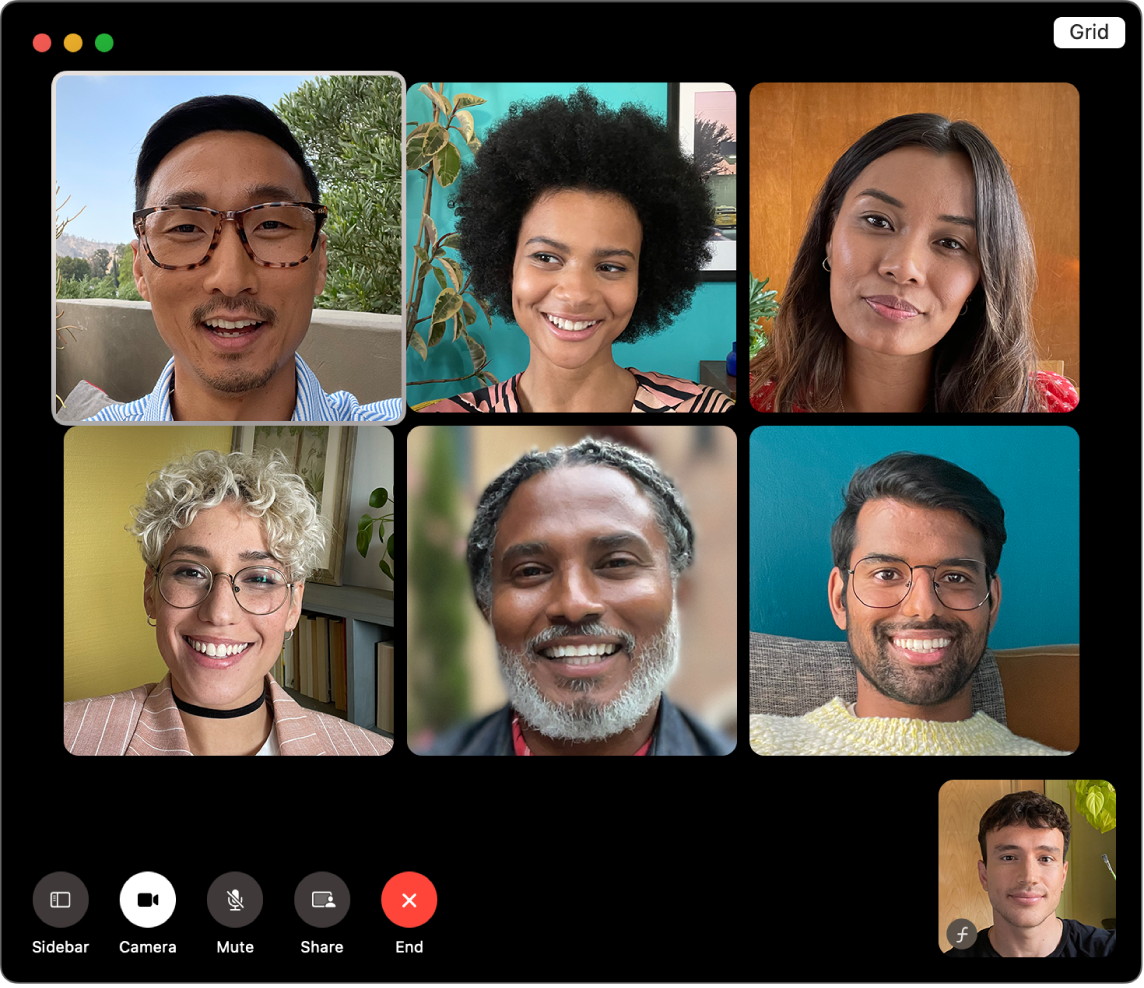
961, 805
798, 131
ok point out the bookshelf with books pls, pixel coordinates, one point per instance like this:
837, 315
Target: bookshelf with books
332, 656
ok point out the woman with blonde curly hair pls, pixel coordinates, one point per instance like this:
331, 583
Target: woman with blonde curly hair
228, 541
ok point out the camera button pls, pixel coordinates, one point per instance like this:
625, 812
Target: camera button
147, 899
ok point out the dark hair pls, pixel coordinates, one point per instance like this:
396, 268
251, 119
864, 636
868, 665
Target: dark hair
670, 511
206, 113
579, 143
986, 361
927, 482
1033, 809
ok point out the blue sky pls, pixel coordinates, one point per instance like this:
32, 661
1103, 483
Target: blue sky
101, 121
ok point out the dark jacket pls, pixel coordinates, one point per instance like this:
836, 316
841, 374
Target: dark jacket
676, 733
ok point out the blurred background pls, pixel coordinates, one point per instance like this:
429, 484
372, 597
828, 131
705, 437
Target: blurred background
453, 671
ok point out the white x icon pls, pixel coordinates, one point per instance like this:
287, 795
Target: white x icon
409, 900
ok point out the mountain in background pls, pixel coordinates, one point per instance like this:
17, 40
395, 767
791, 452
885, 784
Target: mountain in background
68, 245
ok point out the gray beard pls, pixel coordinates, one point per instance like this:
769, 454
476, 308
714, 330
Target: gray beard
584, 718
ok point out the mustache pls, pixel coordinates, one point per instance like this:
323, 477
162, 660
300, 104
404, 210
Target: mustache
249, 307
591, 630
889, 626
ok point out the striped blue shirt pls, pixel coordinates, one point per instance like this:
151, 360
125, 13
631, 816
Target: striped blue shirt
313, 404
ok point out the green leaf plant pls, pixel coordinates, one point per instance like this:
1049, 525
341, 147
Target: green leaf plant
378, 499
761, 306
430, 151
1096, 801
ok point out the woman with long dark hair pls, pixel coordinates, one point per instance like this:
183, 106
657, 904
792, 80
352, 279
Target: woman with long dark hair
912, 289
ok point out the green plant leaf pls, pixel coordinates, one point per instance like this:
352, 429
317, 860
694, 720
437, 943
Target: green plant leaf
448, 303
378, 498
364, 537
384, 567
476, 352
442, 101
418, 343
389, 546
455, 273
436, 137
447, 164
461, 100
463, 120
431, 229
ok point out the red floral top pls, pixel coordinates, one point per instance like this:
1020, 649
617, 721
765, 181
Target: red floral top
1058, 393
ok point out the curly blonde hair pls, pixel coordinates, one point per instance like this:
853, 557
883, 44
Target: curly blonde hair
262, 483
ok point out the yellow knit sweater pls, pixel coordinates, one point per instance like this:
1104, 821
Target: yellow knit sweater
833, 730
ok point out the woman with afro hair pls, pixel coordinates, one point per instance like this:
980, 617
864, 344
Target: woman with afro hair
586, 226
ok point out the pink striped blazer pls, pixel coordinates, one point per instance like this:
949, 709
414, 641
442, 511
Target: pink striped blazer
145, 721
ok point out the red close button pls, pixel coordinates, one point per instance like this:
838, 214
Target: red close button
409, 899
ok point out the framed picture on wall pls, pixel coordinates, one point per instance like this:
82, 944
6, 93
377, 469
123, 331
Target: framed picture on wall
323, 456
704, 115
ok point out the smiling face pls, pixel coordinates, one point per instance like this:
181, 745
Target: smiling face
903, 251
583, 603
1024, 874
226, 539
575, 278
228, 170
919, 653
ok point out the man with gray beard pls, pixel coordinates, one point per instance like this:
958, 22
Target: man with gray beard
574, 556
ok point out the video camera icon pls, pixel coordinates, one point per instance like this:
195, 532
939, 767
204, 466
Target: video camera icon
147, 899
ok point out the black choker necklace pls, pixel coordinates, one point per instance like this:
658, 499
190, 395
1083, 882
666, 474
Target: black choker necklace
190, 708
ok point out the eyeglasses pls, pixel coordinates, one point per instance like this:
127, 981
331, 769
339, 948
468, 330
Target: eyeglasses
258, 589
885, 581
274, 234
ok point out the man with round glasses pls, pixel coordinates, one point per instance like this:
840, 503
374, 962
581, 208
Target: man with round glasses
915, 587
230, 253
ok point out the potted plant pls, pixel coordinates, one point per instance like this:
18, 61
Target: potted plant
379, 498
761, 306
431, 151
1096, 802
